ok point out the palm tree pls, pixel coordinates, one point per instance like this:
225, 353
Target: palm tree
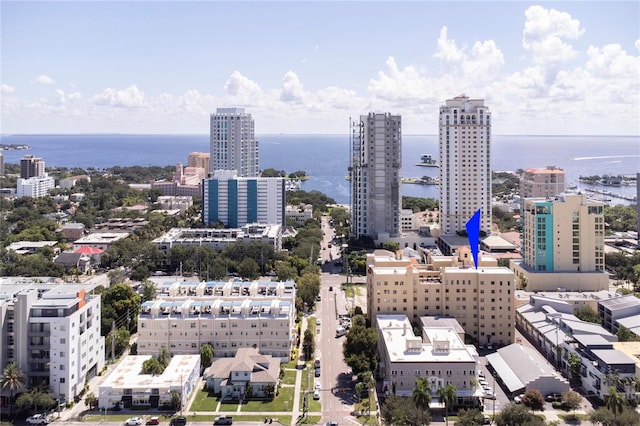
422, 393
614, 402
448, 394
13, 379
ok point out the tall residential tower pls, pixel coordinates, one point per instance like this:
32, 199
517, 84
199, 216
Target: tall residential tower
465, 166
376, 164
233, 142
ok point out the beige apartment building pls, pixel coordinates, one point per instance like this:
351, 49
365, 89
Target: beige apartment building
481, 300
201, 160
227, 314
440, 356
536, 183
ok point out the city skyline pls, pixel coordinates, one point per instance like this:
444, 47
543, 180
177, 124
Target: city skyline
306, 67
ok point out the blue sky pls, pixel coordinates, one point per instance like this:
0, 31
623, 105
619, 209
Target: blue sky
306, 67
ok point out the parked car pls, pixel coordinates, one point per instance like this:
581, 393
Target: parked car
486, 420
553, 397
155, 420
133, 421
223, 420
317, 372
518, 399
38, 419
178, 421
316, 394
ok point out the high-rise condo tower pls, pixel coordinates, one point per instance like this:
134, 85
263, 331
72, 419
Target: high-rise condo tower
233, 142
465, 164
376, 175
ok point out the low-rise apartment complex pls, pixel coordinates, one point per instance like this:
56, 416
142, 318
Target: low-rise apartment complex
440, 356
227, 314
218, 239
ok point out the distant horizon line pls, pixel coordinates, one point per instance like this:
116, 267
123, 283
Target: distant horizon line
291, 134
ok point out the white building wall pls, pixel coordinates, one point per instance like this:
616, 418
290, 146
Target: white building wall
465, 166
35, 187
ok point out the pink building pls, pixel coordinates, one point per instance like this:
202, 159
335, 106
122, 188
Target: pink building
540, 183
187, 181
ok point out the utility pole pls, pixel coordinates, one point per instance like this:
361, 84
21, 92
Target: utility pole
113, 340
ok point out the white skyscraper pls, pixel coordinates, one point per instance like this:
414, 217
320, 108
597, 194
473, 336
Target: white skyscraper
376, 175
465, 166
233, 142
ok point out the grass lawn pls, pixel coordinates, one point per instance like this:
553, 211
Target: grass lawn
204, 401
283, 402
310, 420
291, 364
96, 418
577, 418
289, 377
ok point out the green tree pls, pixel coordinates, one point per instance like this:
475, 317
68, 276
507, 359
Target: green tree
206, 356
572, 400
471, 417
13, 380
448, 395
516, 414
91, 400
422, 393
533, 399
120, 304
589, 315
152, 366
309, 289
249, 269
176, 401
575, 366
403, 411
285, 271
119, 339
308, 344
614, 402
626, 335
36, 399
391, 246
164, 357
270, 390
360, 347
149, 290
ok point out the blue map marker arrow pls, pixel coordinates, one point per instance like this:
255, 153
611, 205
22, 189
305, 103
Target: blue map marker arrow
473, 233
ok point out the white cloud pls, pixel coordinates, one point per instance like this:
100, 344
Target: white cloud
594, 92
6, 89
292, 90
544, 34
395, 84
447, 51
43, 79
242, 90
612, 62
131, 97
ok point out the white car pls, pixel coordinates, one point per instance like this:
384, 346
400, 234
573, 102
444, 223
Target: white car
38, 419
133, 421
316, 394
317, 386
